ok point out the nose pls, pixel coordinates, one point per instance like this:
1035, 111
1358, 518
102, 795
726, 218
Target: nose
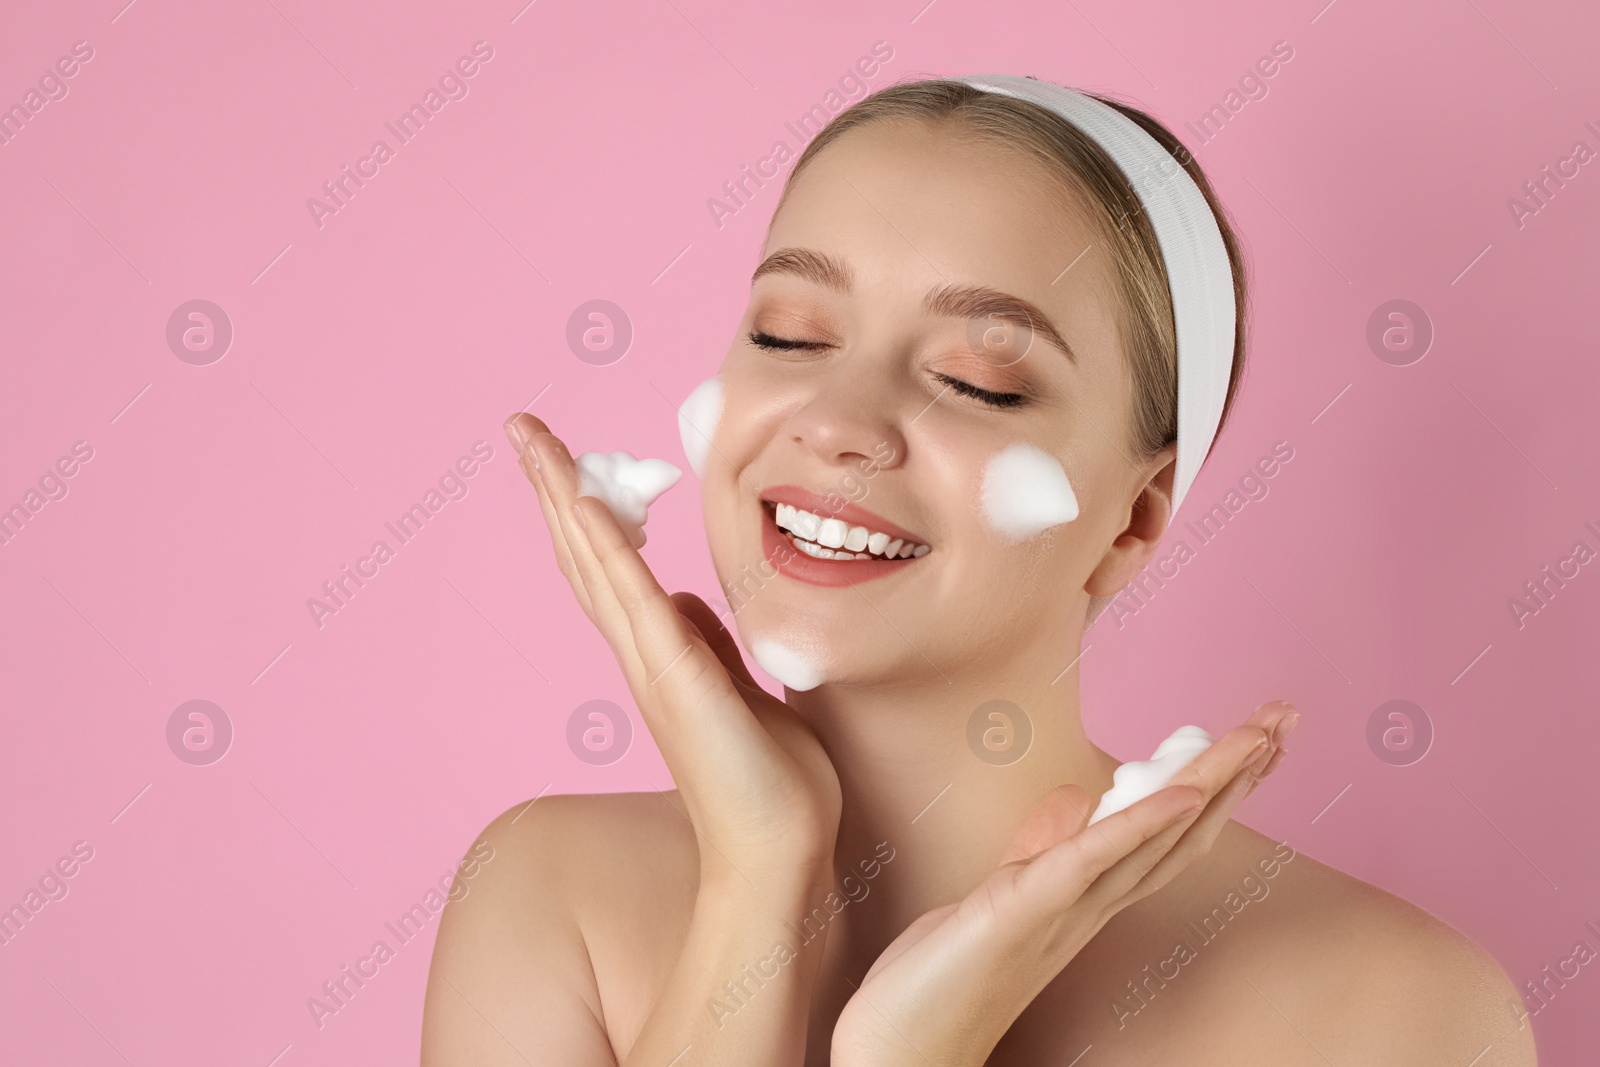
852, 418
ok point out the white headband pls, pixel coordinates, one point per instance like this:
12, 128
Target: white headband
1198, 269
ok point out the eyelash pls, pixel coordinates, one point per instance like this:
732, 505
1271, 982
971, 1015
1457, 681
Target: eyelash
986, 396
780, 344
993, 399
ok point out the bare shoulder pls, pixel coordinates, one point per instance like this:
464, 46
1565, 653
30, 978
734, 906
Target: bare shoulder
555, 929
593, 849
1347, 970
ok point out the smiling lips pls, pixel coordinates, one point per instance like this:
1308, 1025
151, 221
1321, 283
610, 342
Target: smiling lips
833, 538
836, 545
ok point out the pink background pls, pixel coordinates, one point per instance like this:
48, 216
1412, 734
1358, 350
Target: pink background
371, 353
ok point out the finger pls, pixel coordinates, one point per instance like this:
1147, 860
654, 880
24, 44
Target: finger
1244, 754
1277, 718
679, 669
559, 476
1072, 866
1214, 768
1196, 839
1280, 738
1287, 721
1272, 765
1063, 812
1138, 868
687, 697
1195, 836
522, 428
714, 633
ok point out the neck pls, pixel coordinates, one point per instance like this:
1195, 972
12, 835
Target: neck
937, 773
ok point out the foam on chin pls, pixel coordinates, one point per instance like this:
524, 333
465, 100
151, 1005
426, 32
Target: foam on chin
628, 486
790, 666
1132, 782
697, 422
1026, 491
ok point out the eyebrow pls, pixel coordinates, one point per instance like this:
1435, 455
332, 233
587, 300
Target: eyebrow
955, 301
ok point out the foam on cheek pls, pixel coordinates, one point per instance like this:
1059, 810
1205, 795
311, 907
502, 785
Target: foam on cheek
787, 664
1026, 491
1132, 782
697, 422
627, 485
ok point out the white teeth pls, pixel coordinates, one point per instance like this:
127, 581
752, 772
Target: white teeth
814, 550
836, 539
827, 553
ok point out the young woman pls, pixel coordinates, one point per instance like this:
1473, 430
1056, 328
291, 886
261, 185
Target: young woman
956, 282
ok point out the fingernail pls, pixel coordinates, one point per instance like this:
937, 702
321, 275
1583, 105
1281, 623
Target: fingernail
1286, 726
514, 432
578, 513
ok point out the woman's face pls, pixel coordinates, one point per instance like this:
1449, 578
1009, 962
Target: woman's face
891, 394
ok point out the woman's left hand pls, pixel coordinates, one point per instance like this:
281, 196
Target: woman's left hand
946, 990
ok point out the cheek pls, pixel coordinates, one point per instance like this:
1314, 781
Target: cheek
1024, 492
697, 422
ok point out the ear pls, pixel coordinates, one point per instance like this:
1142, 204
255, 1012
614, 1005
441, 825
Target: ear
1144, 524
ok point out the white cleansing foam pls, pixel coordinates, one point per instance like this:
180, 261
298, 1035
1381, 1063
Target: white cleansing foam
787, 664
1132, 782
627, 485
1026, 491
697, 422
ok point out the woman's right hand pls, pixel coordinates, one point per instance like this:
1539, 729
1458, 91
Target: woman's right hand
760, 791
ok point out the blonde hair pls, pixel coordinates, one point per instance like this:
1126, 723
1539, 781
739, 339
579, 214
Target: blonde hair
1145, 319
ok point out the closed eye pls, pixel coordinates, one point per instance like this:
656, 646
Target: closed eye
997, 400
993, 399
782, 344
